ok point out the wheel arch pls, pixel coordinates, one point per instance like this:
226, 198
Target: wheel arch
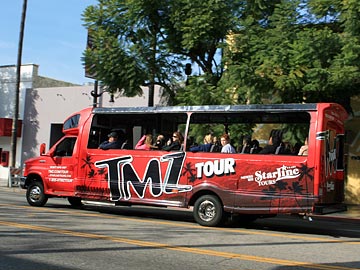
32, 177
200, 193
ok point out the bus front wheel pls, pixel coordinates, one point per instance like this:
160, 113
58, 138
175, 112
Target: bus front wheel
35, 194
208, 211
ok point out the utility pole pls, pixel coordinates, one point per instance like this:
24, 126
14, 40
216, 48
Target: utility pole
152, 65
17, 90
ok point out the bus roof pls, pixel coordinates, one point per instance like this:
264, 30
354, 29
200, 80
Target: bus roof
211, 108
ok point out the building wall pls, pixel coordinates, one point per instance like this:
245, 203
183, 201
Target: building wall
29, 79
47, 106
45, 101
8, 87
352, 185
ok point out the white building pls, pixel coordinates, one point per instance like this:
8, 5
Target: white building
44, 105
29, 79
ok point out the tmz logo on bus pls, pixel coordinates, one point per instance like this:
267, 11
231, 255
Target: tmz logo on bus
122, 176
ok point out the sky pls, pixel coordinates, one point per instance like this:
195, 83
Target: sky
54, 37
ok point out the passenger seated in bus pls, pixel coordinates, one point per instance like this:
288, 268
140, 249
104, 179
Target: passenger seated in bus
160, 142
255, 147
288, 149
296, 148
216, 146
273, 144
205, 147
245, 147
175, 143
112, 143
226, 146
145, 143
304, 149
190, 142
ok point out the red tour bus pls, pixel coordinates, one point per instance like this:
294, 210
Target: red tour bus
248, 184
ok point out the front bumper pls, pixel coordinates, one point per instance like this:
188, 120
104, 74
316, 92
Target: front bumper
22, 182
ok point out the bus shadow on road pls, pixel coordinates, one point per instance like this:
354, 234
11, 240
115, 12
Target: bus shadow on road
281, 223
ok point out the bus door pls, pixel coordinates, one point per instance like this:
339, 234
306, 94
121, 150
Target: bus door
331, 186
60, 175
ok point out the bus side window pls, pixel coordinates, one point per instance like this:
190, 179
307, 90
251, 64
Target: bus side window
65, 148
94, 139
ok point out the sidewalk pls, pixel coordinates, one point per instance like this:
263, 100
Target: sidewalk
351, 215
13, 189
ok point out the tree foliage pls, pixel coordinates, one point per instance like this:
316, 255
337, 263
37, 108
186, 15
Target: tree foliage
139, 43
250, 51
129, 45
306, 51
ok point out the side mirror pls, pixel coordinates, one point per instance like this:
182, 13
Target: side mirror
42, 149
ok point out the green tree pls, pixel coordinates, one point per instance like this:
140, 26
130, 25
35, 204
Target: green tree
304, 51
211, 32
129, 46
202, 27
345, 69
139, 43
241, 51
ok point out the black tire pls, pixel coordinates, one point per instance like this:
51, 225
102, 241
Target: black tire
35, 195
208, 211
75, 201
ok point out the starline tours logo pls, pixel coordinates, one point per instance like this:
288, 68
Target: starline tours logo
270, 178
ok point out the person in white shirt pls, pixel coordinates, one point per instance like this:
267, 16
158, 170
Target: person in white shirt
226, 146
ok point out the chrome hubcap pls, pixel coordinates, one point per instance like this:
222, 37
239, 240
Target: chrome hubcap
35, 194
207, 210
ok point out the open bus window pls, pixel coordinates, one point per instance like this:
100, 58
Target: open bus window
293, 126
134, 126
254, 129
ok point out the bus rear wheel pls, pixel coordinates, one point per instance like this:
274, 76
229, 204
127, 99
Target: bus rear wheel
208, 211
35, 195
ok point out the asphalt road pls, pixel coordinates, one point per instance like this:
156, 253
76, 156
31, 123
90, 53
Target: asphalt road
103, 237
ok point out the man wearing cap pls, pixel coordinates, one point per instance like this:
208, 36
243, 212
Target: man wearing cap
112, 143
